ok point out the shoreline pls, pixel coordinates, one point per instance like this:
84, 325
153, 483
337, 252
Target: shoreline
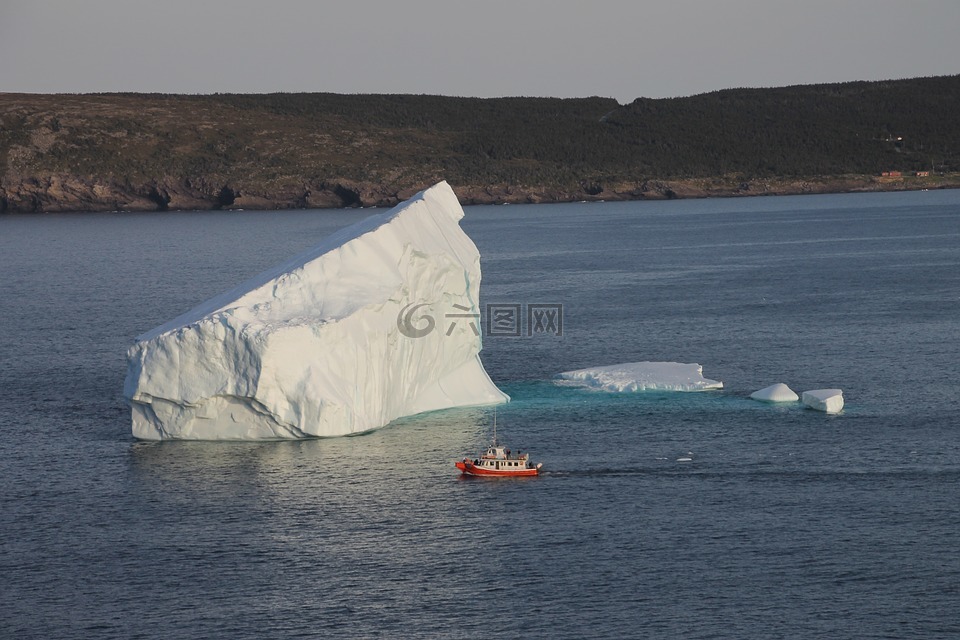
73, 194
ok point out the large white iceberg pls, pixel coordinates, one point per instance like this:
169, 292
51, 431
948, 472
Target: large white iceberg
641, 376
828, 400
379, 321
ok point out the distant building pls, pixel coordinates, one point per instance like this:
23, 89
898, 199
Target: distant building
892, 174
923, 174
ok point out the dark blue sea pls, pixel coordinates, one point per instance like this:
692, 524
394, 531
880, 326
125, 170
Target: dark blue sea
660, 515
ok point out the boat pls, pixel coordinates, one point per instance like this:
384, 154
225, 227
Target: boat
499, 462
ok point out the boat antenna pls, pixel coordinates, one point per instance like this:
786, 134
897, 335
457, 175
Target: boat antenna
494, 425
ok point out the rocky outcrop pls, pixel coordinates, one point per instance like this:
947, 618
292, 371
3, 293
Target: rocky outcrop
64, 193
68, 193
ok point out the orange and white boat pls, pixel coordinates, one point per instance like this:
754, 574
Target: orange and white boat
498, 462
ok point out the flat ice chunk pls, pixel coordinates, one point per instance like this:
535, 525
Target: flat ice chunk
775, 393
325, 344
829, 400
643, 376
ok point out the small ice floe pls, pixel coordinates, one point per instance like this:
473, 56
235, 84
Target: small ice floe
827, 400
686, 458
643, 376
775, 393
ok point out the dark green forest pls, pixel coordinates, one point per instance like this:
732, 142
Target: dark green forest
860, 127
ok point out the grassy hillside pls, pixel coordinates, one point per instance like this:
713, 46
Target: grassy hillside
139, 151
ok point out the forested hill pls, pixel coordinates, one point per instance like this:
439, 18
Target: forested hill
139, 151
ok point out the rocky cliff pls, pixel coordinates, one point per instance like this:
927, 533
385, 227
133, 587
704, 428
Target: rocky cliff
66, 193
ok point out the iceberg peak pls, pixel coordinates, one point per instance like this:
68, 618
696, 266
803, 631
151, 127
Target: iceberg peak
778, 392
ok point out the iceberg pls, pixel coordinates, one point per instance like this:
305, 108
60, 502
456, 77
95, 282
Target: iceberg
643, 376
775, 393
828, 400
378, 321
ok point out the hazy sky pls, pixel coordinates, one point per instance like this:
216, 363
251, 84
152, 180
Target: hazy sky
619, 49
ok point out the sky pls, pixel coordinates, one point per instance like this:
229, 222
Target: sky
484, 48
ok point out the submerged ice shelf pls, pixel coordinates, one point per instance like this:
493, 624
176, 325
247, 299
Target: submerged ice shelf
643, 376
676, 376
327, 343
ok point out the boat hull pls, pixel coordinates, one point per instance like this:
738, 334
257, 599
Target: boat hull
469, 469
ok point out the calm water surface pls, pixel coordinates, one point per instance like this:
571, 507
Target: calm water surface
784, 523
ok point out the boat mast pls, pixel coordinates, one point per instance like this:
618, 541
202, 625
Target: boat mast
494, 426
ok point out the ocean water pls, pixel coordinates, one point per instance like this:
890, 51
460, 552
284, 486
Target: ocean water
659, 515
